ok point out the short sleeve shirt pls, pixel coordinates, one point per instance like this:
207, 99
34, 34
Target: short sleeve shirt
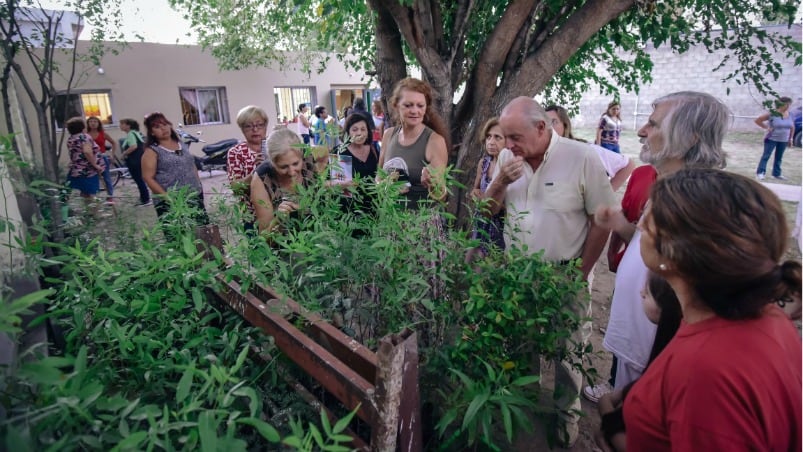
241, 162
611, 129
132, 139
79, 165
613, 162
547, 209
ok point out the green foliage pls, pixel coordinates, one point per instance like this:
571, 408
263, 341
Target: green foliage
311, 439
293, 34
377, 271
483, 403
147, 363
11, 311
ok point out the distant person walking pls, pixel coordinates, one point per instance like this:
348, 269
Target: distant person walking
610, 127
378, 115
780, 129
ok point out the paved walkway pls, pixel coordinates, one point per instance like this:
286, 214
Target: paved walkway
792, 193
785, 191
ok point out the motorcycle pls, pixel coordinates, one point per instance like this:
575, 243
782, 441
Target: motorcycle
215, 154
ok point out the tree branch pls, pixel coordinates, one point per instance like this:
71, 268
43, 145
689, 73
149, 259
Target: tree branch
482, 83
543, 63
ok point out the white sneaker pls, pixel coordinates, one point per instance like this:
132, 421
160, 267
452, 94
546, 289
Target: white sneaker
594, 393
760, 176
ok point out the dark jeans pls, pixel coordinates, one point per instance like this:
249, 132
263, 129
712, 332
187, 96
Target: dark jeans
134, 163
779, 147
107, 176
611, 147
306, 138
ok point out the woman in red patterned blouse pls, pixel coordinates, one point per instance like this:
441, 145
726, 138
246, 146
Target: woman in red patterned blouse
243, 158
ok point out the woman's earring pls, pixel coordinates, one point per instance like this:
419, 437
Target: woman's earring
662, 267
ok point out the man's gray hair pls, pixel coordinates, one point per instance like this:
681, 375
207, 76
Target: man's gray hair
694, 129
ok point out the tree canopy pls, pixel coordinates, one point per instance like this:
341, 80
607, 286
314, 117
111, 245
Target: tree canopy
491, 50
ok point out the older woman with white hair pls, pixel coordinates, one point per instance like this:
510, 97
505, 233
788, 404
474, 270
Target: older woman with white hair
243, 158
275, 189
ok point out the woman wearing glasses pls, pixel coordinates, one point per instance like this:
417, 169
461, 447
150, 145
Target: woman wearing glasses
168, 165
243, 158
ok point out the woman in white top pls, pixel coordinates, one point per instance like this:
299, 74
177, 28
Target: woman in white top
303, 122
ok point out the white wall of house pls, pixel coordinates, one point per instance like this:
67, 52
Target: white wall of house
146, 77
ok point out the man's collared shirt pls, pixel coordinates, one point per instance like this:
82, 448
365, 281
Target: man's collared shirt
548, 209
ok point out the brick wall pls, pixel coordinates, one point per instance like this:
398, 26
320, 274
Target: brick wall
693, 71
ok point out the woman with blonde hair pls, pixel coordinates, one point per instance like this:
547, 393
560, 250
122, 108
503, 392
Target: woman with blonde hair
274, 192
417, 149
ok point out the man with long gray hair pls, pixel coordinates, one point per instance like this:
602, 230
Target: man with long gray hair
685, 130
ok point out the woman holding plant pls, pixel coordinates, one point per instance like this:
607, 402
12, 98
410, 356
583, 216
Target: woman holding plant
364, 157
274, 192
416, 150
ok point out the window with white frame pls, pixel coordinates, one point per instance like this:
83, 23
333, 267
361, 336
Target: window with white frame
84, 104
204, 105
288, 98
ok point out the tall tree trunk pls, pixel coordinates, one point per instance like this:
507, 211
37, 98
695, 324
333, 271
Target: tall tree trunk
389, 61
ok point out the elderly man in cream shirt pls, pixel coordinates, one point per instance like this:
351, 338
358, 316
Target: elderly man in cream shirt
551, 186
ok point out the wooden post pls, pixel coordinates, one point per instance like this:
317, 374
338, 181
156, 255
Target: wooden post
398, 425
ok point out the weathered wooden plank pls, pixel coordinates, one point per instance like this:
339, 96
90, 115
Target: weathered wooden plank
344, 347
344, 383
410, 435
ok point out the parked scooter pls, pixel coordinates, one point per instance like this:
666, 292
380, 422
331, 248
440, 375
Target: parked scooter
215, 154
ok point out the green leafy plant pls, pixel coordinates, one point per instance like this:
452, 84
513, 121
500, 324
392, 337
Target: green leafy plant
483, 403
331, 439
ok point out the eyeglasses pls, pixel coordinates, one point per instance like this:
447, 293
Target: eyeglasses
258, 126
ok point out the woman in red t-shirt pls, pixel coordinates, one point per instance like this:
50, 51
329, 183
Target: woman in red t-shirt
730, 379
